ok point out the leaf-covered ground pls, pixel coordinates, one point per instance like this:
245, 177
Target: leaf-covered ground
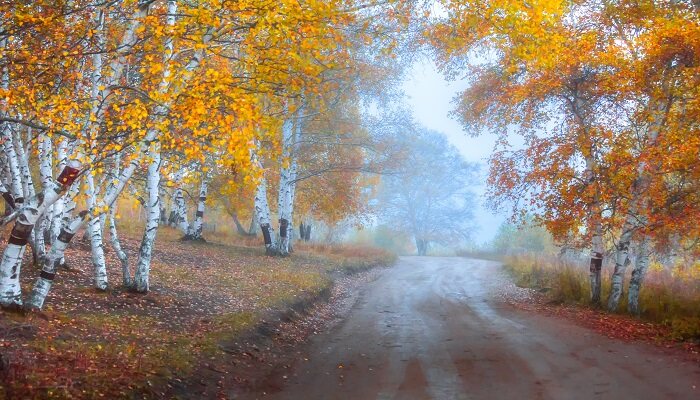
204, 296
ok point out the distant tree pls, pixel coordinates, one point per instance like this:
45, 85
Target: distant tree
429, 195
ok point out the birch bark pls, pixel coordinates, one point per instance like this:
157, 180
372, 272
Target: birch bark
180, 205
96, 243
10, 266
198, 223
59, 206
638, 273
143, 265
639, 196
284, 195
6, 138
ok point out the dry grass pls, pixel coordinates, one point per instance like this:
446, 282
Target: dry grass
670, 297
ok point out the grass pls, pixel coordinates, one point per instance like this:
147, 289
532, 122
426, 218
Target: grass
669, 297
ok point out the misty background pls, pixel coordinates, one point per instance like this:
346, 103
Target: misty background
429, 96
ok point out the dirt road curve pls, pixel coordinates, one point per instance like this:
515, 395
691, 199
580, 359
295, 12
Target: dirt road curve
430, 328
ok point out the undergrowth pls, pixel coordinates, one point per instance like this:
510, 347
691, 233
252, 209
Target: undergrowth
669, 297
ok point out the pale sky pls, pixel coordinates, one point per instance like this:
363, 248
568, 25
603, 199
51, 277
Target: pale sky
430, 97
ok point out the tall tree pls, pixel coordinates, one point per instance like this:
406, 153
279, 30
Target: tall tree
429, 196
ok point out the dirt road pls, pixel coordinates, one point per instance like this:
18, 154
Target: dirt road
431, 328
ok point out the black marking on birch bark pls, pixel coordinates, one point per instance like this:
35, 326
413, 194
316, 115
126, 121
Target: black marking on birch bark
596, 262
8, 198
20, 233
19, 200
266, 234
49, 276
203, 198
284, 225
65, 236
199, 214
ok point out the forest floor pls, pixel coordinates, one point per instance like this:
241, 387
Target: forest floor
216, 317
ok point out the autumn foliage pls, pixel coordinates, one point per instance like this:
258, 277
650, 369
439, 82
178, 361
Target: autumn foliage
596, 107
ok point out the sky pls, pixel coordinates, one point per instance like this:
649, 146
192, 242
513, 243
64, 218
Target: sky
430, 96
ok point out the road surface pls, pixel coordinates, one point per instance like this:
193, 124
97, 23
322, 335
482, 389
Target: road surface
431, 328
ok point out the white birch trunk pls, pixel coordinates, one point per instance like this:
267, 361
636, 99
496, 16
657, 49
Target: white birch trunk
96, 113
117, 246
284, 195
113, 235
262, 211
23, 159
10, 266
198, 224
638, 273
36, 243
51, 263
181, 211
59, 206
6, 138
143, 265
46, 175
633, 219
95, 233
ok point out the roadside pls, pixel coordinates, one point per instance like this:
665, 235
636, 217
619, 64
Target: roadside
539, 299
203, 296
438, 328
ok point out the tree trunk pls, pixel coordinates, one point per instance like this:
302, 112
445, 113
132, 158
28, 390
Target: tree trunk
51, 263
35, 241
239, 228
284, 211
596, 266
262, 210
421, 246
7, 142
181, 207
59, 206
143, 265
640, 268
198, 224
113, 235
253, 228
10, 266
618, 276
95, 234
117, 246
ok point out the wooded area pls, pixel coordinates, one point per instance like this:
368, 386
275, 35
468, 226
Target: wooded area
284, 121
146, 97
